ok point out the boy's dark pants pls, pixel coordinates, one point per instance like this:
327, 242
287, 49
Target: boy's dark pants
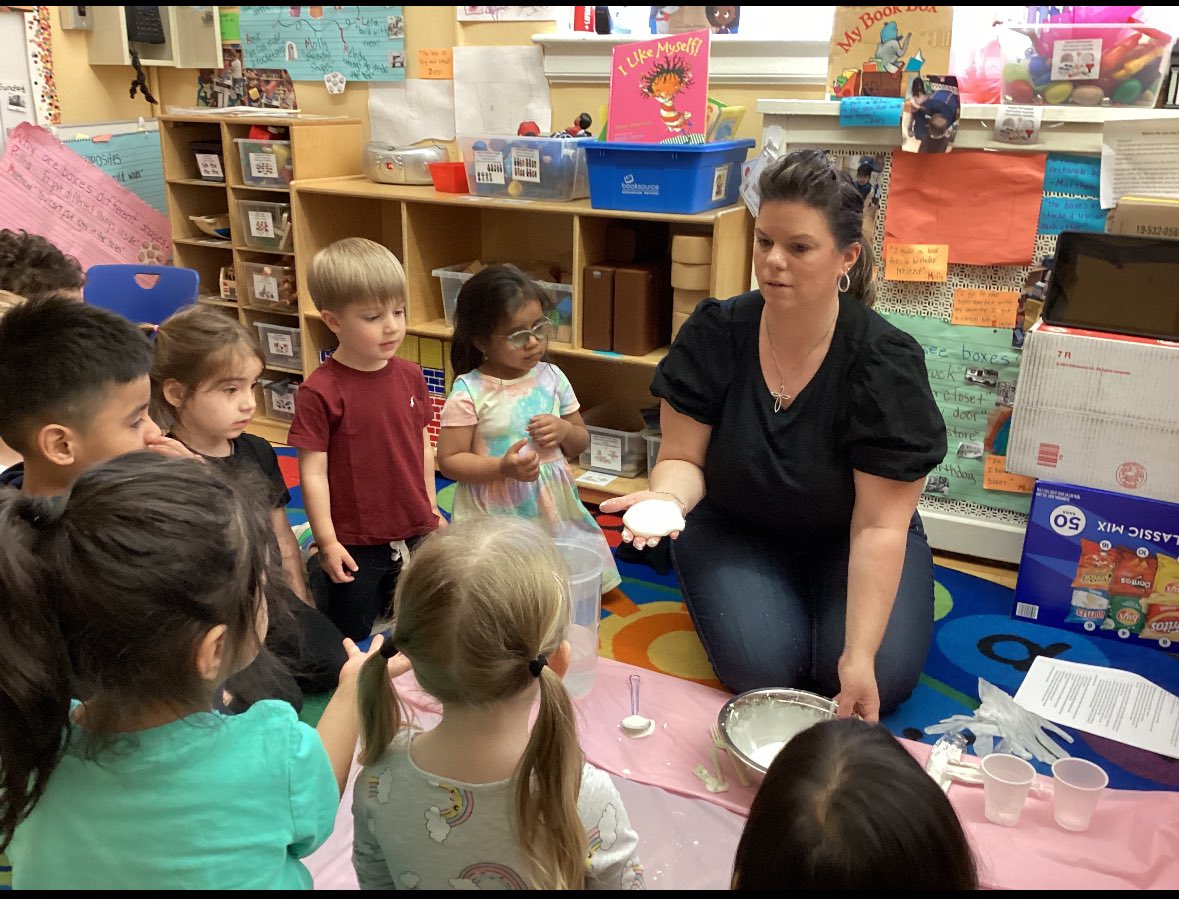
355, 606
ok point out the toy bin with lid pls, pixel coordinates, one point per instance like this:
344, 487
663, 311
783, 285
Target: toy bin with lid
279, 397
525, 168
281, 345
676, 178
266, 226
1084, 65
266, 163
616, 441
268, 285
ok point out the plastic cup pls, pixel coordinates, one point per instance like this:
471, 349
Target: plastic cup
1077, 785
1006, 782
585, 575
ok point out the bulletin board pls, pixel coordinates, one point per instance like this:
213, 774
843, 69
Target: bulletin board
972, 369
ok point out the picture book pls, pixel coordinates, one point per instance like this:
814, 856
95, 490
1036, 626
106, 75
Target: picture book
723, 120
877, 51
659, 90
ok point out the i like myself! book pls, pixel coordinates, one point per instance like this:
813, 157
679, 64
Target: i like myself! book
659, 90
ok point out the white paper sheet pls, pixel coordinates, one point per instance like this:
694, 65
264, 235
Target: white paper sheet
1138, 160
414, 110
497, 88
1117, 705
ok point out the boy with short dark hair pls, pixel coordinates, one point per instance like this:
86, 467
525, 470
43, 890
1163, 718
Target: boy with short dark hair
33, 267
74, 379
365, 461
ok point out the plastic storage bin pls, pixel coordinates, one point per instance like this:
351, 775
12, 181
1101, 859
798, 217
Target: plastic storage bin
453, 277
266, 226
525, 168
653, 439
266, 163
281, 345
677, 178
616, 441
209, 159
279, 399
268, 285
1084, 65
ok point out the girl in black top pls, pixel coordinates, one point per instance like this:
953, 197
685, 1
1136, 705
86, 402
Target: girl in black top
204, 376
798, 427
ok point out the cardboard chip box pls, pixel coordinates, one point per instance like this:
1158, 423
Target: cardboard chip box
1103, 563
1146, 217
1099, 410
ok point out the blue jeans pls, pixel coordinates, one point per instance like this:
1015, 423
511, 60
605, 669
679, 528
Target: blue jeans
771, 615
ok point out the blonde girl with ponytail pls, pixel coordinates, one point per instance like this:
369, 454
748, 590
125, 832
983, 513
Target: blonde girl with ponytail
484, 799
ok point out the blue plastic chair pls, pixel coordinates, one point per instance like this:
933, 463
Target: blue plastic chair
114, 287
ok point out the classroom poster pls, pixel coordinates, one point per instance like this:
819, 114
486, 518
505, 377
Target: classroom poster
362, 43
134, 160
48, 190
659, 90
877, 51
972, 372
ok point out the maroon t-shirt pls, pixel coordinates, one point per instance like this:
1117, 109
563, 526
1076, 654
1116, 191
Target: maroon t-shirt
370, 425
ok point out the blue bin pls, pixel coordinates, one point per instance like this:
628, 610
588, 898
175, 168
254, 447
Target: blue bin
678, 178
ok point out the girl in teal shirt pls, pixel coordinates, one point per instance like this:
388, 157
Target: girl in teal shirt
146, 583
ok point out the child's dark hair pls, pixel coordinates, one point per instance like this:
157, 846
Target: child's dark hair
809, 177
864, 170
32, 266
113, 586
844, 806
481, 601
195, 345
485, 301
58, 361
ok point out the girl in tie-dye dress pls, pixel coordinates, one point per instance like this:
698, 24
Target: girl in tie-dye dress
512, 418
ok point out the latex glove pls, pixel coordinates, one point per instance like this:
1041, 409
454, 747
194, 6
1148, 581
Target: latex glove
1019, 731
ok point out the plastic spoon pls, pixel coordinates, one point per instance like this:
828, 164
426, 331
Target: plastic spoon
634, 724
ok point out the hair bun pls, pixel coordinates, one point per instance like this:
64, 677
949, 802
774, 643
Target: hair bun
42, 512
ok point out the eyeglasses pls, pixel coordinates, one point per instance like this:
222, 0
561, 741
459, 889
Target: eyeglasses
543, 330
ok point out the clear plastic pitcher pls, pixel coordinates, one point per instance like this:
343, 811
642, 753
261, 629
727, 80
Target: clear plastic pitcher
585, 574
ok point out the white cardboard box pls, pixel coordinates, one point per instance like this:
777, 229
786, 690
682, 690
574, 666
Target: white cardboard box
1099, 410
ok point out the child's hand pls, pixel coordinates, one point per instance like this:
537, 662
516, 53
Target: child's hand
520, 463
338, 564
398, 665
548, 430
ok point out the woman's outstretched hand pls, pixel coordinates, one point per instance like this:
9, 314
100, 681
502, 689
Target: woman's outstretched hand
622, 503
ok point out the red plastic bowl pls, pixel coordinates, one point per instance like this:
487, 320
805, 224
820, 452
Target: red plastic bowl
449, 177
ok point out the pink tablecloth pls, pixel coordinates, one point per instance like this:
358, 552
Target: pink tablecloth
688, 835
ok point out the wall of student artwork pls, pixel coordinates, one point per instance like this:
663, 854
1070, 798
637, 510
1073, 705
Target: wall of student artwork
362, 43
970, 241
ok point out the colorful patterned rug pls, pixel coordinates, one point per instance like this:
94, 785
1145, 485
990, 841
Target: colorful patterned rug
646, 624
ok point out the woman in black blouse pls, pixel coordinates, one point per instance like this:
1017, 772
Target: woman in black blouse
798, 427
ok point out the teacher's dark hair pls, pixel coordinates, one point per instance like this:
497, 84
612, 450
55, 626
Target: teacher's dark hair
844, 806
808, 176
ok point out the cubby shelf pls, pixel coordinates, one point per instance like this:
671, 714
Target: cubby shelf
321, 147
427, 229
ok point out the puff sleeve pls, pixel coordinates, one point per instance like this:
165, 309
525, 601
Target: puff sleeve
894, 429
698, 369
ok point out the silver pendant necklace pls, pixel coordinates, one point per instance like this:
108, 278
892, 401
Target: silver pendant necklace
780, 395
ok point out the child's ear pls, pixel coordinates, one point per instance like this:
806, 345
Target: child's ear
480, 344
210, 654
331, 320
174, 393
58, 444
559, 660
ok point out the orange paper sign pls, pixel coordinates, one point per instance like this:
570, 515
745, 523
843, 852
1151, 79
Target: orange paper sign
436, 63
997, 477
985, 308
916, 261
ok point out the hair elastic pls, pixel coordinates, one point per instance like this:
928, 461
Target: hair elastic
536, 666
389, 648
